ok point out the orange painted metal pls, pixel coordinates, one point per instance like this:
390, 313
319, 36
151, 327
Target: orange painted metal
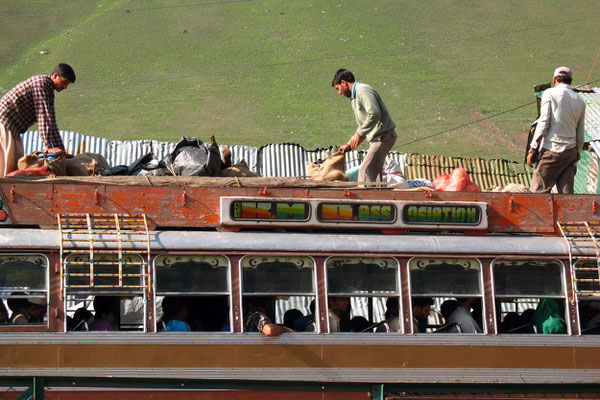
37, 203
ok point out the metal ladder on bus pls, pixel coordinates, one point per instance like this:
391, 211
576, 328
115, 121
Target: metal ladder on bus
106, 240
581, 237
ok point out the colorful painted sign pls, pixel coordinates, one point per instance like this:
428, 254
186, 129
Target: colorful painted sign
269, 210
350, 212
394, 214
441, 214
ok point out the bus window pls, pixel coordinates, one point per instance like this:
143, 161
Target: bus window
23, 289
192, 293
281, 289
363, 294
104, 294
589, 309
529, 296
452, 289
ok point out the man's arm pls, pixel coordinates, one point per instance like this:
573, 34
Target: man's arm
541, 128
580, 133
353, 144
274, 330
43, 101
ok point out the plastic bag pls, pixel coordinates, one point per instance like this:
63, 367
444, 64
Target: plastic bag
392, 173
191, 157
457, 181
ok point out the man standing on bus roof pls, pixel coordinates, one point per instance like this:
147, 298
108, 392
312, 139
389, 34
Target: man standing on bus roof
560, 130
374, 124
29, 102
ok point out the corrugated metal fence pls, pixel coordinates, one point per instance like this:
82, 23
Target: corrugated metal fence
288, 160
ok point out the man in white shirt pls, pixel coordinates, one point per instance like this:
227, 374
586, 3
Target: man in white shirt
338, 308
559, 136
462, 316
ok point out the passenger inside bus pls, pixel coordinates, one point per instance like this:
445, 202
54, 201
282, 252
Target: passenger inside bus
391, 323
357, 324
27, 311
421, 307
107, 312
589, 314
257, 320
290, 317
461, 316
339, 308
307, 322
175, 314
447, 308
80, 320
548, 317
3, 313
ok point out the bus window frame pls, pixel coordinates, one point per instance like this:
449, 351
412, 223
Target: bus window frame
565, 297
481, 289
397, 294
575, 310
41, 326
229, 292
240, 286
104, 291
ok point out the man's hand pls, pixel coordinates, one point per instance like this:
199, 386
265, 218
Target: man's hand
530, 158
355, 141
58, 151
345, 148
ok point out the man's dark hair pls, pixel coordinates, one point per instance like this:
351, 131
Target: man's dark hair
563, 79
342, 75
422, 301
65, 71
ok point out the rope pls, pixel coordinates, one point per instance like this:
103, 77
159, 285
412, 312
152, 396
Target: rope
592, 69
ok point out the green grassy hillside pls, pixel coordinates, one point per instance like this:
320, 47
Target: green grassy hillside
257, 72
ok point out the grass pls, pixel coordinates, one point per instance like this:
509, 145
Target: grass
257, 72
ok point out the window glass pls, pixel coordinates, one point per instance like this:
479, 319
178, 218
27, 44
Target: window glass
528, 278
23, 273
445, 276
191, 274
359, 275
277, 275
529, 296
23, 293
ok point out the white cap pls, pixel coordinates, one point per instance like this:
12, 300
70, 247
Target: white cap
37, 301
562, 71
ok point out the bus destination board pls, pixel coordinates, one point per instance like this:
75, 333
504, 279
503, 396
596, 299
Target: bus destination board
441, 214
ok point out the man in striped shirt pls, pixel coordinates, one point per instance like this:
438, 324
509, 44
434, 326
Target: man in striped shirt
29, 102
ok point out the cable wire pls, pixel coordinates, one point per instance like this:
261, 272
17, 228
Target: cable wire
476, 121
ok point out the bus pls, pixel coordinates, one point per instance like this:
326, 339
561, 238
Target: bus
522, 268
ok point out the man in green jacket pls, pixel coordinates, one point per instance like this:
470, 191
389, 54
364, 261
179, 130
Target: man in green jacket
374, 124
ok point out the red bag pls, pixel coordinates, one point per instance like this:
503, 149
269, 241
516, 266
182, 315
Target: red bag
31, 171
457, 181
